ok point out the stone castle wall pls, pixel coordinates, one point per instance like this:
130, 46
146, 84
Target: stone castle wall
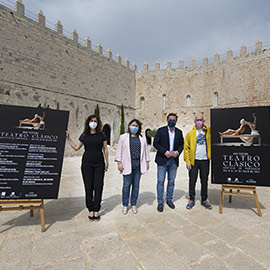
237, 81
41, 66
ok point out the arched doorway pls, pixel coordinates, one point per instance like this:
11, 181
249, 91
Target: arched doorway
107, 131
148, 139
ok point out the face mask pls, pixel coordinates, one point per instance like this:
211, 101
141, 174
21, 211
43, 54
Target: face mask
199, 124
92, 125
171, 123
133, 129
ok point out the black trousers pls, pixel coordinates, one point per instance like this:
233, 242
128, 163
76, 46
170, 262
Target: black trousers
203, 167
93, 178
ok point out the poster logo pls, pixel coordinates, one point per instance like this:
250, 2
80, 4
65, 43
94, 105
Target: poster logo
241, 162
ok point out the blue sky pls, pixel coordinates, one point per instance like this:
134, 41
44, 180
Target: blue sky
161, 30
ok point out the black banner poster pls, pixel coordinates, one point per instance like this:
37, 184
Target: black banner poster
32, 142
240, 146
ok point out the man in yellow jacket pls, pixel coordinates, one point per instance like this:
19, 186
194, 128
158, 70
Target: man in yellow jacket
197, 153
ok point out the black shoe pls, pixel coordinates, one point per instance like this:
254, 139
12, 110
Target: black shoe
97, 218
170, 204
91, 218
160, 207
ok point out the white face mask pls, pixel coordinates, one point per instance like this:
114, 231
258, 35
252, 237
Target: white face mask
92, 125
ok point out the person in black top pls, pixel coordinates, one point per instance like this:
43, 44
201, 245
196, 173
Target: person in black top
93, 165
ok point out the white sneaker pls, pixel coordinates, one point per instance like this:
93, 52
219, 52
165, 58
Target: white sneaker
124, 210
134, 209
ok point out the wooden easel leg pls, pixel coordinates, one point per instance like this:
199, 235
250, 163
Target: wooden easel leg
42, 217
20, 205
230, 196
257, 203
221, 200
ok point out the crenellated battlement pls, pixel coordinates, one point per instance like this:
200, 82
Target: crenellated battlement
40, 63
19, 10
230, 80
243, 55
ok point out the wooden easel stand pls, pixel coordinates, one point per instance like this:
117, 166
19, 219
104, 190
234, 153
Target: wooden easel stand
238, 189
15, 205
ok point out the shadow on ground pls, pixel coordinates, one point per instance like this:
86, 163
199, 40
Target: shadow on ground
62, 209
110, 203
178, 194
237, 202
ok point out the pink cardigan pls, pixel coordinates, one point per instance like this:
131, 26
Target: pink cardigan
123, 153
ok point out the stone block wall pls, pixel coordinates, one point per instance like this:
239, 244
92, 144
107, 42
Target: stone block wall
236, 81
41, 66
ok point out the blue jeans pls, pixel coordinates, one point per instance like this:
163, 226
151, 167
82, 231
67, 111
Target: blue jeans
133, 180
171, 168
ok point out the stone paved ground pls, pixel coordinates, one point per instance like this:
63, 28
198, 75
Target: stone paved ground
175, 239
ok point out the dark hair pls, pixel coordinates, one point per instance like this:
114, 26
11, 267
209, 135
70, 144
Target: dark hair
139, 123
172, 114
86, 124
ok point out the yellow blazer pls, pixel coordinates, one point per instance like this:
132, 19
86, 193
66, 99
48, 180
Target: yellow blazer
190, 144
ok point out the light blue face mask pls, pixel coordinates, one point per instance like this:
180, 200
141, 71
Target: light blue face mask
133, 129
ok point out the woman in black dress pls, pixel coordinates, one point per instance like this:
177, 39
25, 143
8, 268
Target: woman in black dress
93, 166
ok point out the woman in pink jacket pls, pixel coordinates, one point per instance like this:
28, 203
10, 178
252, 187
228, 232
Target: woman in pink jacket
133, 158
